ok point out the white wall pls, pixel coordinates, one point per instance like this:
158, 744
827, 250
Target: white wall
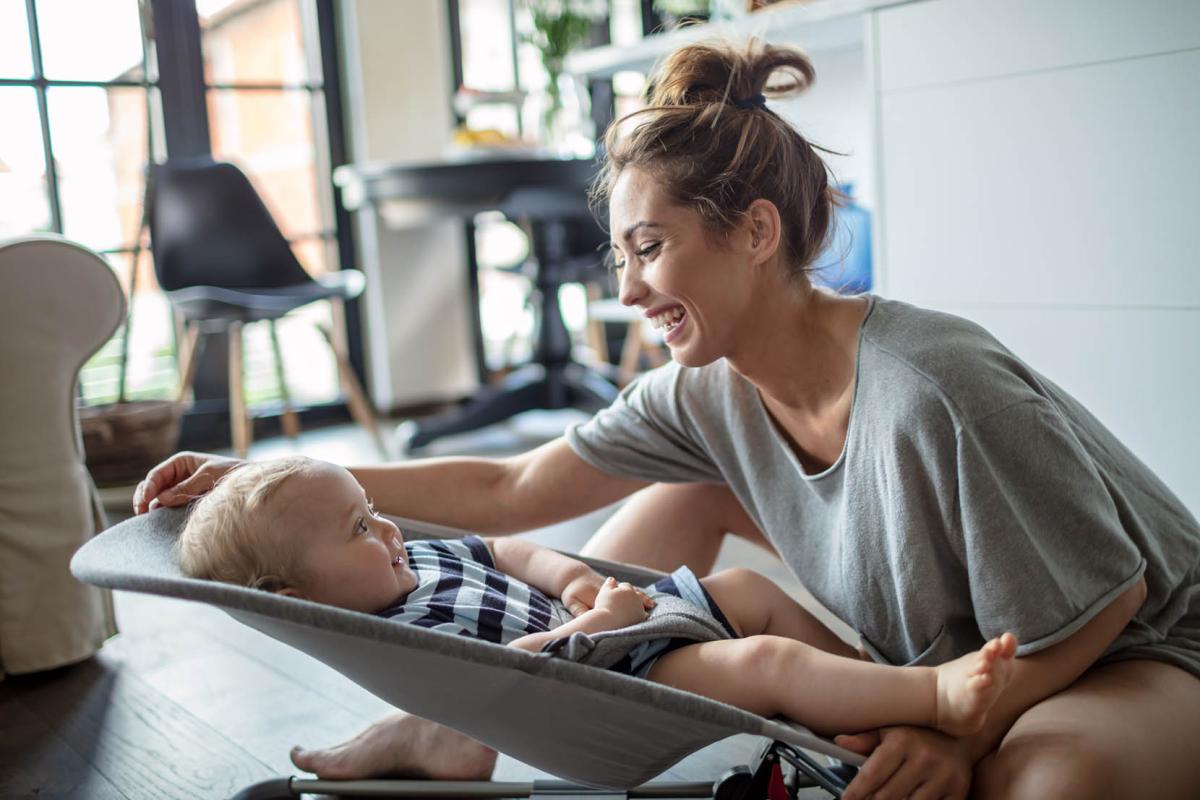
1040, 175
398, 83
835, 114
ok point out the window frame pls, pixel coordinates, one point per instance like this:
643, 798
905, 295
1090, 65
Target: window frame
178, 114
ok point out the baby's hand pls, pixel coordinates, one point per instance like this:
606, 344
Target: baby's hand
625, 604
579, 596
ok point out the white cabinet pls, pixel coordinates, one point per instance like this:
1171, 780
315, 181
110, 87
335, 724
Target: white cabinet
1039, 174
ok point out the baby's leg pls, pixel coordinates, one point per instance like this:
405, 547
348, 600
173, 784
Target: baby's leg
755, 605
772, 676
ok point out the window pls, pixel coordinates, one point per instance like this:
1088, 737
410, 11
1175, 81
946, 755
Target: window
73, 151
266, 111
79, 119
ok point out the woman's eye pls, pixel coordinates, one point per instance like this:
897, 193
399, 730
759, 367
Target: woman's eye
647, 250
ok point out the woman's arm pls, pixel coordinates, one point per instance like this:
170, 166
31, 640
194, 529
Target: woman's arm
537, 488
534, 489
1035, 677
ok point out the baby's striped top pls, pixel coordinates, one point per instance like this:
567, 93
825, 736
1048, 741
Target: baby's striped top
459, 590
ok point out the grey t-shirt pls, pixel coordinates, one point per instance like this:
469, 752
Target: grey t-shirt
972, 497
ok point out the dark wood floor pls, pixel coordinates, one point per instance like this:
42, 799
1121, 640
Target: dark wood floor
187, 703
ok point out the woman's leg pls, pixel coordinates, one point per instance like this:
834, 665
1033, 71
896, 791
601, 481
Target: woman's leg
1127, 730
754, 604
772, 676
669, 525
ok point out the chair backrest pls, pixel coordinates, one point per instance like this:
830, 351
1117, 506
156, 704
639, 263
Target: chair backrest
208, 227
59, 303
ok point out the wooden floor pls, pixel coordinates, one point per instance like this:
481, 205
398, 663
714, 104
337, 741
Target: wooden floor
187, 703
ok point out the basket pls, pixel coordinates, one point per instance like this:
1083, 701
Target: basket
122, 441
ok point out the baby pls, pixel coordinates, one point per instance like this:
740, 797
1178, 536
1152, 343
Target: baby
306, 529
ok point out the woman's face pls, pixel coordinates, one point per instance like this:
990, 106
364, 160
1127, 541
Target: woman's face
674, 272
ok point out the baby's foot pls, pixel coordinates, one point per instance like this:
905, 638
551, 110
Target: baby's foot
967, 687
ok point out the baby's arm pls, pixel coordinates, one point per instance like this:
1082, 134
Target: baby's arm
618, 605
554, 574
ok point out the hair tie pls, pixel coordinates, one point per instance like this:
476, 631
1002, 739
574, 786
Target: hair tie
750, 102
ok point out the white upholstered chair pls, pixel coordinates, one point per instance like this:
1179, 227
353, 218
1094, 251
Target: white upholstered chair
59, 303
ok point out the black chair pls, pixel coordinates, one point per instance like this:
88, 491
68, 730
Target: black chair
223, 262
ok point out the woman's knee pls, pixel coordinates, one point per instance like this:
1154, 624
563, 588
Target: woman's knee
1035, 770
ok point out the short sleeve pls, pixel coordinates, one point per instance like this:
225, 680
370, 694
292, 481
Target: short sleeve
1042, 539
646, 434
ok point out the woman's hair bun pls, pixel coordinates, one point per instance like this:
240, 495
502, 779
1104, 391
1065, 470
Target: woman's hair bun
724, 72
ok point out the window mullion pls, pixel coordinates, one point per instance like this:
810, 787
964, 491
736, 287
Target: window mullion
39, 88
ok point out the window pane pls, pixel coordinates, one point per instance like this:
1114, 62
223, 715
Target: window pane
262, 43
99, 141
100, 40
151, 371
308, 363
269, 134
316, 255
15, 61
486, 45
24, 205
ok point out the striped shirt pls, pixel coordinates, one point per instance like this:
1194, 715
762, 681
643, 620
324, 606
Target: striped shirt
460, 591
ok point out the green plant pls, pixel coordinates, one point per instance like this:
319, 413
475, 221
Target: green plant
560, 26
682, 8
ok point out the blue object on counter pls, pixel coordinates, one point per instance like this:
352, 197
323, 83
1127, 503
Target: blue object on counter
845, 264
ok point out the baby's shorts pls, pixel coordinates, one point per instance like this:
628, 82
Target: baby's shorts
684, 584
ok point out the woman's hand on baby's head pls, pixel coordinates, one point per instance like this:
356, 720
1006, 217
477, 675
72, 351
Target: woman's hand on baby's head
626, 604
180, 479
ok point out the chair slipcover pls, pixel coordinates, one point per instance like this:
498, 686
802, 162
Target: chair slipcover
59, 303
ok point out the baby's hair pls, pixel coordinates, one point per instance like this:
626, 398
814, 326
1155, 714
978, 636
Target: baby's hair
708, 137
228, 535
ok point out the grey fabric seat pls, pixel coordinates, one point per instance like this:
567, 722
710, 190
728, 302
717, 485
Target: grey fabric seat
578, 722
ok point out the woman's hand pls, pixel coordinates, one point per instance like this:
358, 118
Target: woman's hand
908, 762
579, 595
180, 479
625, 604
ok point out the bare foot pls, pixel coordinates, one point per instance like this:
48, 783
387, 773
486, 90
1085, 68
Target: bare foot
967, 687
401, 744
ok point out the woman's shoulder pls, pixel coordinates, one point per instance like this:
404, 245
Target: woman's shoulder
924, 355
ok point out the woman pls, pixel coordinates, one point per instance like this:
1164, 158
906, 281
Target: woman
926, 485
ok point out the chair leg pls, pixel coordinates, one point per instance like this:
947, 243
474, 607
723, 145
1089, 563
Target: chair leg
239, 421
631, 352
290, 420
595, 328
360, 406
189, 354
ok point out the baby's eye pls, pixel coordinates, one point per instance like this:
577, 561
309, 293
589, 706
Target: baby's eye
371, 509
360, 526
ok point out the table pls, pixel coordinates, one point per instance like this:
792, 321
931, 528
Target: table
548, 194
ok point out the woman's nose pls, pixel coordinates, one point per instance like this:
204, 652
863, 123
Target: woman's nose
632, 287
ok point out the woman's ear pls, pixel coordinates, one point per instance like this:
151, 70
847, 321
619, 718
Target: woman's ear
765, 228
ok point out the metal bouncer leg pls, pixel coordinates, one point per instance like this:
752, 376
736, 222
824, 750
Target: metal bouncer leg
765, 779
762, 779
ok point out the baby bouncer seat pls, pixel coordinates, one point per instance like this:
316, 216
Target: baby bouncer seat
605, 734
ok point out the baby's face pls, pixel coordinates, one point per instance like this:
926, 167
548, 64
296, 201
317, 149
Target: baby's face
350, 556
